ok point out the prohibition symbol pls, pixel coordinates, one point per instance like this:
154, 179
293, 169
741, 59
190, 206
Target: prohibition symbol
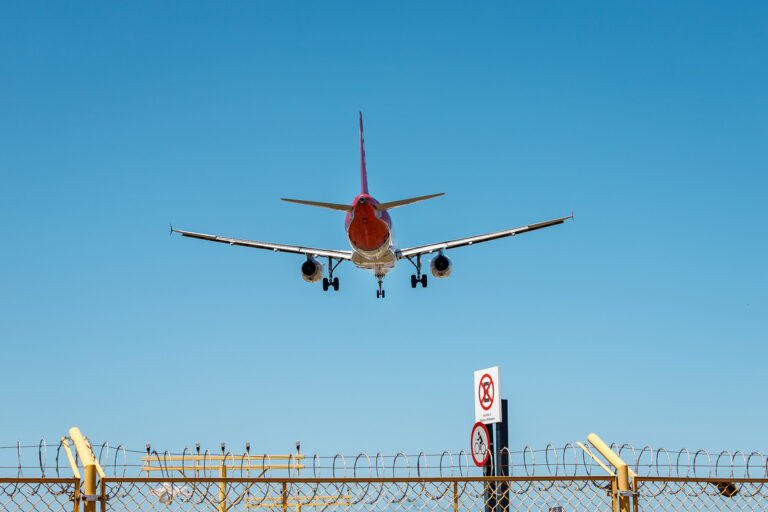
480, 444
486, 392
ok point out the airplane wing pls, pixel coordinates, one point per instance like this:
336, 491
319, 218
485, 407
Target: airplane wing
310, 251
451, 244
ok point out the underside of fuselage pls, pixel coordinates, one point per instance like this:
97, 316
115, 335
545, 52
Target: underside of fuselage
369, 231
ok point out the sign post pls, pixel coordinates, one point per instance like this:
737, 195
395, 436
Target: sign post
489, 409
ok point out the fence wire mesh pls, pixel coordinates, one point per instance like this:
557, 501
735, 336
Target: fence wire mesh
664, 494
372, 495
37, 494
501, 494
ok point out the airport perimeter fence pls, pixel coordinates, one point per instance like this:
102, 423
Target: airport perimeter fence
489, 494
77, 476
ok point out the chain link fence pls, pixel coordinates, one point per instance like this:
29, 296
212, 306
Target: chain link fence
483, 494
38, 494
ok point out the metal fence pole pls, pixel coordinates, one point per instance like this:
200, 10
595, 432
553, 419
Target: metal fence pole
103, 497
455, 497
223, 488
91, 469
622, 475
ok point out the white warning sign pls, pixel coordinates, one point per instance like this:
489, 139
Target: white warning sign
487, 396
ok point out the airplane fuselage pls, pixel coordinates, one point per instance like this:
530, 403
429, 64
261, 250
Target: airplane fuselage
370, 234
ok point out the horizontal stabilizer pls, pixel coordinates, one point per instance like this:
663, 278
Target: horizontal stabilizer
330, 206
403, 202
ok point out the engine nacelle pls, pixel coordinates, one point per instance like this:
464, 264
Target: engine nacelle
312, 270
441, 267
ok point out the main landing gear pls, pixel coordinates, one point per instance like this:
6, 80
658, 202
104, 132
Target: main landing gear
418, 277
380, 292
330, 281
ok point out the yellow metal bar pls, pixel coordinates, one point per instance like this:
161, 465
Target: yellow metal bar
622, 471
292, 499
622, 474
636, 495
285, 497
191, 458
84, 451
90, 487
76, 497
103, 496
310, 504
218, 467
455, 497
441, 480
606, 452
89, 467
70, 457
223, 490
596, 459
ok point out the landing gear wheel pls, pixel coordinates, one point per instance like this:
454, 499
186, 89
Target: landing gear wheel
382, 294
423, 281
325, 284
413, 281
336, 284
378, 294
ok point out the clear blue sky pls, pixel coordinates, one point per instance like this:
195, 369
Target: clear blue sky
644, 320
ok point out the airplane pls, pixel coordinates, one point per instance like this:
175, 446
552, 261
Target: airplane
369, 230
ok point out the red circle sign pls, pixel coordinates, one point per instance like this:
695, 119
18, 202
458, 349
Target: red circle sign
479, 444
486, 392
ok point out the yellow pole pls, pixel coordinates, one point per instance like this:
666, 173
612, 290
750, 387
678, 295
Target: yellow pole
455, 497
622, 470
622, 474
285, 497
89, 472
223, 488
298, 448
89, 468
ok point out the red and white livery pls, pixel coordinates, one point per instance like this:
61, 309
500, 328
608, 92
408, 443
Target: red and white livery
369, 230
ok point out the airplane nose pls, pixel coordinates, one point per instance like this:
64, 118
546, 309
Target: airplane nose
361, 200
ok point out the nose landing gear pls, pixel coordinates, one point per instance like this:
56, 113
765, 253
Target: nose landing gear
380, 292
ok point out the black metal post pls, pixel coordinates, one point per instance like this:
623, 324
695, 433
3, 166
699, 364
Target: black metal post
502, 459
490, 488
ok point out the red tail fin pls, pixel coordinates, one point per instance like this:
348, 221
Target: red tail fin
363, 172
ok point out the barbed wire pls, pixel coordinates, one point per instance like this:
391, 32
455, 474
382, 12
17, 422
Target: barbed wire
32, 460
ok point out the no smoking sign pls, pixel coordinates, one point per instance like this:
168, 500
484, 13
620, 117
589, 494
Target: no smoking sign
487, 396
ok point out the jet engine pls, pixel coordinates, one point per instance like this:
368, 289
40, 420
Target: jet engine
312, 270
441, 266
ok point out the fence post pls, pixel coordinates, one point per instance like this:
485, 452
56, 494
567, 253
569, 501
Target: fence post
455, 497
622, 475
622, 472
285, 497
91, 469
223, 487
103, 496
76, 497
